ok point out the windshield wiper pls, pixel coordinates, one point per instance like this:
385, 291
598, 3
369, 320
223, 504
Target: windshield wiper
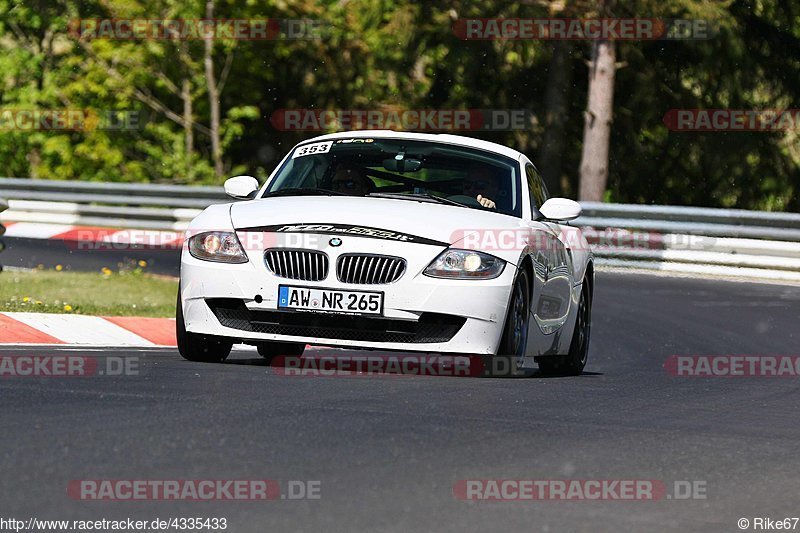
415, 196
302, 191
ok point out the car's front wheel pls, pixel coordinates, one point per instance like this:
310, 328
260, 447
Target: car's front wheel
573, 363
510, 356
197, 347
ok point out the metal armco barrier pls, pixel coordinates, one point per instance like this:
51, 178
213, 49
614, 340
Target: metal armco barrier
692, 240
695, 240
132, 194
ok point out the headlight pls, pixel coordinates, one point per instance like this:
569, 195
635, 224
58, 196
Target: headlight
219, 246
465, 264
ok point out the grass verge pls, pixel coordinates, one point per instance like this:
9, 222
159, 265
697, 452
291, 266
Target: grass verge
126, 293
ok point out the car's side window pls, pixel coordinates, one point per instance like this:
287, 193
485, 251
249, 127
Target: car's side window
545, 192
536, 186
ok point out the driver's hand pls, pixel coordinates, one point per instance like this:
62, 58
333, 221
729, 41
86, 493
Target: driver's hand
485, 202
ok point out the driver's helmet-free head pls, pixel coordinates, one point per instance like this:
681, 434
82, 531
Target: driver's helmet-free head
350, 178
486, 181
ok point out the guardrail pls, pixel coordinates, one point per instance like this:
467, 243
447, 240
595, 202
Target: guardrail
696, 220
132, 194
128, 217
695, 240
692, 240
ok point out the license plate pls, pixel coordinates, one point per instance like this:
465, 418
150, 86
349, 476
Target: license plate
330, 300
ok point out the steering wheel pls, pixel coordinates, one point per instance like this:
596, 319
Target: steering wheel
466, 200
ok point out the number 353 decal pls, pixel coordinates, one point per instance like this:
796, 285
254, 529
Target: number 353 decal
311, 149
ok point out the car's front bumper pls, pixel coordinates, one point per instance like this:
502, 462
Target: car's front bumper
420, 313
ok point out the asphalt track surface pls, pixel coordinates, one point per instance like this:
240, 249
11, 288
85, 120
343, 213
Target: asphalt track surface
388, 449
30, 253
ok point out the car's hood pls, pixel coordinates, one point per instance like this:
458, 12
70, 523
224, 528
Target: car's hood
403, 220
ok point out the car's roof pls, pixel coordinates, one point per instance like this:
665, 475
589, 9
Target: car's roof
458, 140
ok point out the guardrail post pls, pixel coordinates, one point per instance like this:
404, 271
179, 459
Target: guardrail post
3, 207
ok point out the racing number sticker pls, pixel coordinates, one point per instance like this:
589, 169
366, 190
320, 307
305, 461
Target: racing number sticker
311, 149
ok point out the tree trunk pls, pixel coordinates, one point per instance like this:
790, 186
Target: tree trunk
188, 121
559, 83
597, 122
34, 160
213, 95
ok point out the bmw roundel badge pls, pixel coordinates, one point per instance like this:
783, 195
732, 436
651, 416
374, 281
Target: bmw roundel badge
336, 241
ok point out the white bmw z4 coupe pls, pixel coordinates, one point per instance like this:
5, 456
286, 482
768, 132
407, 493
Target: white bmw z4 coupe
385, 240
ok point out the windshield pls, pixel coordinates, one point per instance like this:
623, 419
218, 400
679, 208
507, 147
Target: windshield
419, 170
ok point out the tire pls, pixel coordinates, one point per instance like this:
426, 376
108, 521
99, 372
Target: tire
270, 350
509, 359
196, 347
573, 363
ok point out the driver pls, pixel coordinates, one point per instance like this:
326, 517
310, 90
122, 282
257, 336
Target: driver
482, 184
351, 180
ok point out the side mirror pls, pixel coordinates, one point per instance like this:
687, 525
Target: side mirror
560, 209
243, 187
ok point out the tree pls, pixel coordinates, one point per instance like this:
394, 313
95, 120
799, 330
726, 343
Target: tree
598, 117
213, 93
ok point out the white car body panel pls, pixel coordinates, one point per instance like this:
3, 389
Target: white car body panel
559, 267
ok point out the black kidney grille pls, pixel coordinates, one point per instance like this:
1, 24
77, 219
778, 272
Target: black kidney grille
304, 265
366, 269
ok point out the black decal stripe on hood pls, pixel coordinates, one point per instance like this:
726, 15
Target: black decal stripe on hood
344, 229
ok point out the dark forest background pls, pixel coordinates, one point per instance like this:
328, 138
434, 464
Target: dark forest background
383, 54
